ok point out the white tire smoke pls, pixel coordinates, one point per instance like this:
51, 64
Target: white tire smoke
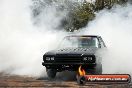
115, 27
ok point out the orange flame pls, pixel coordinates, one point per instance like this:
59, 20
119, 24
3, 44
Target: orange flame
81, 71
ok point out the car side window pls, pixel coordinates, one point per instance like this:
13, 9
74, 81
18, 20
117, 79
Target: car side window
102, 44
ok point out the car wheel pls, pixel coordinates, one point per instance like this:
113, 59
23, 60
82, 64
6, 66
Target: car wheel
51, 73
81, 80
98, 69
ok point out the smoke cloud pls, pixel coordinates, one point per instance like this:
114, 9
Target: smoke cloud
115, 28
22, 43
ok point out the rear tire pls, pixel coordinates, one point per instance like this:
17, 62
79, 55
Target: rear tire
51, 73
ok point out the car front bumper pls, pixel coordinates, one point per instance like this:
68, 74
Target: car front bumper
44, 64
68, 66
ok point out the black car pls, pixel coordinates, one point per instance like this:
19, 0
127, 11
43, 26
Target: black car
75, 50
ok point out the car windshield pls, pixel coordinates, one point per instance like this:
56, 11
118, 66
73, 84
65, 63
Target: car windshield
83, 42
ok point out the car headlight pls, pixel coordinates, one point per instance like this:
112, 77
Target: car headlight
52, 59
49, 59
87, 58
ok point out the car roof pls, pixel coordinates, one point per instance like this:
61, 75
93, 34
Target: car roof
83, 36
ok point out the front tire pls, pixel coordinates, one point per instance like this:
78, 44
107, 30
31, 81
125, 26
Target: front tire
98, 69
51, 73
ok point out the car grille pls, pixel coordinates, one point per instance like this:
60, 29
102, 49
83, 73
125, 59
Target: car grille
65, 58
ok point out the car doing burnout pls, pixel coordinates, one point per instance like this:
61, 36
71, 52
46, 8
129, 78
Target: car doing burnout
75, 51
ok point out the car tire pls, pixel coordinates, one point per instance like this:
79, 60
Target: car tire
98, 69
51, 73
81, 80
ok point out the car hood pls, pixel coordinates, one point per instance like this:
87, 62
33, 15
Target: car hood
85, 51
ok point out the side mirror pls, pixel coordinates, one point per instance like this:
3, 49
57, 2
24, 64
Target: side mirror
99, 45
